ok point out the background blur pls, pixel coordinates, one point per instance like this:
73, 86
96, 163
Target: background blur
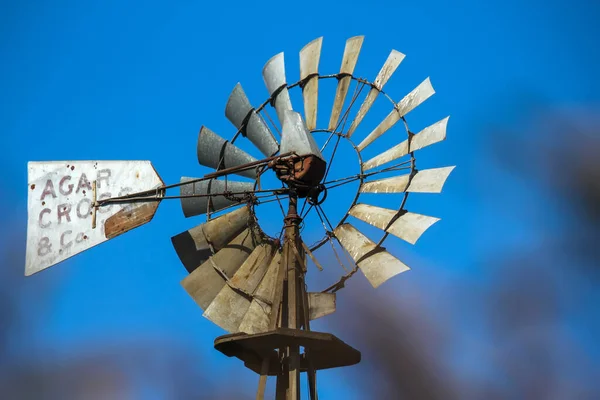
502, 300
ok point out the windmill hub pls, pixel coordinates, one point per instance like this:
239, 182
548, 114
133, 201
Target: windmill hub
304, 173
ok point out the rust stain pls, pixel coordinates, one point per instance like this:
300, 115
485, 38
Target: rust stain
126, 220
137, 174
32, 186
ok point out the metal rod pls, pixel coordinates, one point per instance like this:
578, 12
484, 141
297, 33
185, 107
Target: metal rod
291, 242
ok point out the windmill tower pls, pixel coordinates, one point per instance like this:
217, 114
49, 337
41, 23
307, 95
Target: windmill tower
245, 281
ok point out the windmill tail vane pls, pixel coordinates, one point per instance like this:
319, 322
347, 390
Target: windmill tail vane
251, 284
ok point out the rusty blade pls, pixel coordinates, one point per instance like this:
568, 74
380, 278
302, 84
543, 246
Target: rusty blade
242, 115
429, 180
432, 134
206, 281
409, 226
227, 310
351, 52
196, 245
309, 67
320, 304
60, 199
376, 264
390, 65
406, 105
216, 152
274, 77
193, 206
258, 315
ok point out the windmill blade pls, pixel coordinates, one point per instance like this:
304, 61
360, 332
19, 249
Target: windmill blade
432, 134
351, 52
309, 69
243, 116
206, 281
258, 316
296, 138
229, 307
196, 245
408, 226
376, 264
406, 105
424, 181
193, 206
274, 77
389, 67
320, 304
216, 152
62, 220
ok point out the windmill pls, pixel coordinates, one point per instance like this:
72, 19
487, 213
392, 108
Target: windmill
246, 281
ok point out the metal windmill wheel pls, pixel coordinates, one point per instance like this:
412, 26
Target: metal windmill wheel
247, 282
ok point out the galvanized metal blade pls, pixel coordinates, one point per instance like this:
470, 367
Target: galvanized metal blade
216, 152
320, 304
275, 80
60, 206
425, 181
408, 226
432, 134
257, 317
193, 206
296, 138
309, 69
376, 264
406, 105
206, 281
227, 310
196, 245
243, 116
351, 52
390, 65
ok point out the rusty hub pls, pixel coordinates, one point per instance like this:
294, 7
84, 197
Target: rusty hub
302, 172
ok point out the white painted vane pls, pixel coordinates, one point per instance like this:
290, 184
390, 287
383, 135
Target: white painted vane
61, 212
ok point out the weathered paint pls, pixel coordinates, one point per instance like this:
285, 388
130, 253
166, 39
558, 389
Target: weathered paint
429, 180
258, 316
389, 67
320, 304
274, 77
196, 245
229, 307
375, 263
408, 226
205, 282
216, 152
60, 211
351, 52
432, 134
424, 181
309, 65
256, 130
406, 105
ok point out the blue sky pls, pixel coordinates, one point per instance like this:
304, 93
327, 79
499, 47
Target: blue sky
109, 80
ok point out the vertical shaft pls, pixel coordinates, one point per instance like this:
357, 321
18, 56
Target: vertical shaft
293, 290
